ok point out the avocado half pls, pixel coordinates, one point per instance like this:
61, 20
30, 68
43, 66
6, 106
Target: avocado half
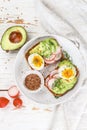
13, 38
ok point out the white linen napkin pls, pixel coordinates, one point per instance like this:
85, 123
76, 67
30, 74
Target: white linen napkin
67, 18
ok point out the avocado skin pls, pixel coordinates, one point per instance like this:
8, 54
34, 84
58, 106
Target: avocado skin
10, 48
45, 48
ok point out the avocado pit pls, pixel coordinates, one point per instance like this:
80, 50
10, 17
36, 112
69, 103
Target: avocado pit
15, 37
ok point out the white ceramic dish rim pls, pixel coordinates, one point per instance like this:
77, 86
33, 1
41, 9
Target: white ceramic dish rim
45, 36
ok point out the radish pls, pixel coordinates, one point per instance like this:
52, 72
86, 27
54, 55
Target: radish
54, 57
58, 54
50, 82
51, 57
53, 73
59, 50
56, 76
47, 79
13, 91
17, 102
3, 102
50, 60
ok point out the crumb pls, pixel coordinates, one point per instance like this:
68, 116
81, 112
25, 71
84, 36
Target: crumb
35, 108
21, 13
19, 21
6, 18
6, 68
8, 59
18, 17
22, 72
47, 110
17, 8
7, 13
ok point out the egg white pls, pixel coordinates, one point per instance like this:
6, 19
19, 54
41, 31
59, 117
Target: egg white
30, 61
61, 69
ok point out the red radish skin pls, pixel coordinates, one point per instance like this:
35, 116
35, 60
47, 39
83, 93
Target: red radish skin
59, 50
52, 57
58, 54
3, 102
17, 102
49, 61
53, 73
56, 76
13, 92
50, 82
47, 79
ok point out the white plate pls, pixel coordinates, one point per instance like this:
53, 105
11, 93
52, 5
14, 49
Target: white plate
44, 96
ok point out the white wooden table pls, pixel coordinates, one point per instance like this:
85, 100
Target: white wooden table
12, 12
33, 116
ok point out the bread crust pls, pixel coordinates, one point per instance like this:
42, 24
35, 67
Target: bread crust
59, 95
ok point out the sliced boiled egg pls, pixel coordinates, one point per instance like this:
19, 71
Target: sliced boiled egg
67, 72
36, 61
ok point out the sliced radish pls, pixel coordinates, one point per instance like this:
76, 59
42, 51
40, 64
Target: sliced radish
50, 83
17, 102
50, 58
56, 76
46, 81
49, 61
58, 50
58, 56
53, 73
55, 56
3, 102
13, 92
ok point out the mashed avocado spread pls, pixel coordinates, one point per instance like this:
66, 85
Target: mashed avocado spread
45, 48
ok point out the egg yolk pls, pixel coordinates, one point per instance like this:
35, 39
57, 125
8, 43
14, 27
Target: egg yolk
67, 73
37, 61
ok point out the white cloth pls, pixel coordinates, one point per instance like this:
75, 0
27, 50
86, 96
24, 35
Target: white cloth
69, 19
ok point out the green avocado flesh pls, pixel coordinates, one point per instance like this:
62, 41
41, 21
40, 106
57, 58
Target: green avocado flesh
61, 86
45, 48
13, 38
67, 63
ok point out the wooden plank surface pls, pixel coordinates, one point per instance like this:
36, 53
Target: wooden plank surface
18, 12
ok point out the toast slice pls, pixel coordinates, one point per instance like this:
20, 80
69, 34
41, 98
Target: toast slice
62, 86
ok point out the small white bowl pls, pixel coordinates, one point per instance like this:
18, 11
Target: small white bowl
41, 77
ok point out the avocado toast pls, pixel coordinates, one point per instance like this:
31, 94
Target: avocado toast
60, 74
49, 49
63, 79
